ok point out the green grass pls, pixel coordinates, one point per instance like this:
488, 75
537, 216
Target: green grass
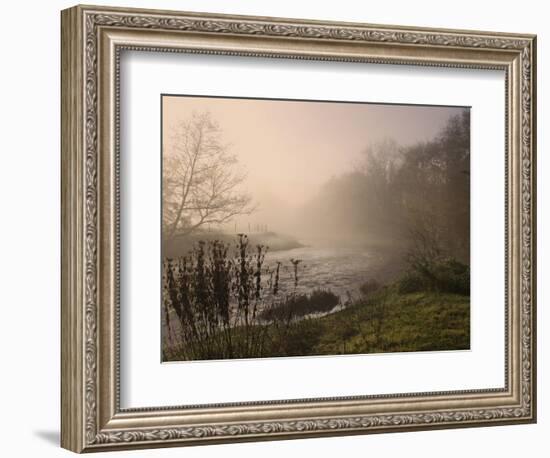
393, 322
387, 321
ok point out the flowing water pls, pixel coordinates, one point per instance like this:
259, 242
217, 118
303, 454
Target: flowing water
339, 269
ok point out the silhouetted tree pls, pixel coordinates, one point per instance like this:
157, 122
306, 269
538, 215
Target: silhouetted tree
414, 195
201, 179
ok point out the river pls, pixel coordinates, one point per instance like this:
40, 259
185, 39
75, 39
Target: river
340, 269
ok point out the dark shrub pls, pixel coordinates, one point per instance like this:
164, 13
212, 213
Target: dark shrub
454, 277
300, 305
447, 275
411, 282
323, 300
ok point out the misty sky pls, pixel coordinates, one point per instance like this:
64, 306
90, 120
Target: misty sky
290, 149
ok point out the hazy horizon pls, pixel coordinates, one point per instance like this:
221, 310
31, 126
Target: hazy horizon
290, 149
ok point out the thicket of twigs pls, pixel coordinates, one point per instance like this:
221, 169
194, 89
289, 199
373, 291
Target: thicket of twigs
220, 301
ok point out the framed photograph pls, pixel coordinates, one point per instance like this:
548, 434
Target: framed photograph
278, 228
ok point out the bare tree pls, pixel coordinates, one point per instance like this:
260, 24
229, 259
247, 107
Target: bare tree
201, 179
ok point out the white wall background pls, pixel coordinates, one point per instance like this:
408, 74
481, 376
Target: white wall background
29, 240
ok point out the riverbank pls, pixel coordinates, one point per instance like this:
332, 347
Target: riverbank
386, 321
390, 322
312, 300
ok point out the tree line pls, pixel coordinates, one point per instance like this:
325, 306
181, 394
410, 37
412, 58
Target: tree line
404, 195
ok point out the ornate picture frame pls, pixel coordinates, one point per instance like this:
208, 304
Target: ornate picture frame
93, 39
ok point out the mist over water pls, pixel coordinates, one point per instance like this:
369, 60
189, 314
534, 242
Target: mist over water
303, 228
333, 184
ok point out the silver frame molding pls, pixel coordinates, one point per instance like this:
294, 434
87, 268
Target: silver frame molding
92, 40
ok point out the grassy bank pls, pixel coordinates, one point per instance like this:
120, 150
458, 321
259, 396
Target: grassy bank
387, 321
393, 322
222, 302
